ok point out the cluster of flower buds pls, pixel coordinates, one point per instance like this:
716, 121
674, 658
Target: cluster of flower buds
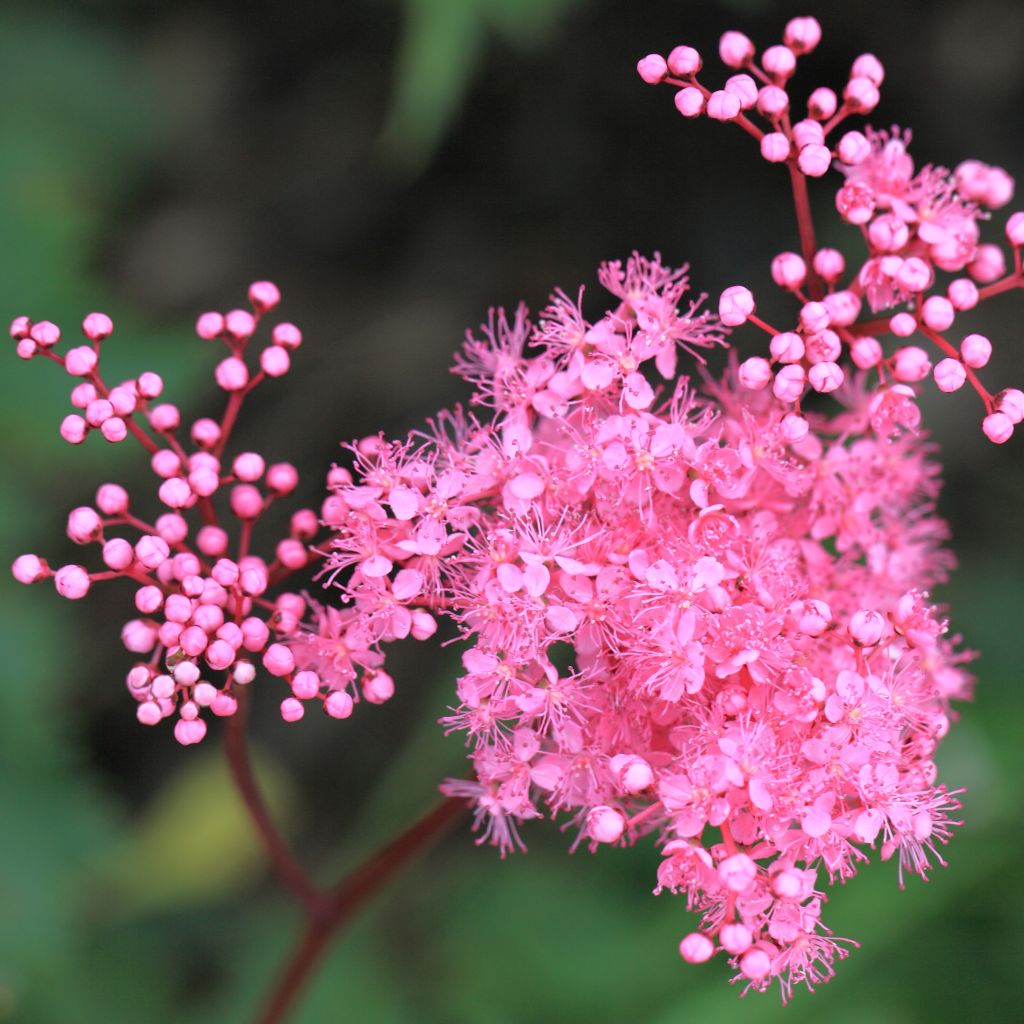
209, 610
925, 263
684, 616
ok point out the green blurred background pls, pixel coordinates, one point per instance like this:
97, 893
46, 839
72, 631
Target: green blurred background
397, 167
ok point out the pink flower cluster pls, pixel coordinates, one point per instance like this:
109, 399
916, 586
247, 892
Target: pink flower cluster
205, 615
925, 264
682, 618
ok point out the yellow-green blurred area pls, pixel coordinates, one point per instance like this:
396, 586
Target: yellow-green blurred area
397, 167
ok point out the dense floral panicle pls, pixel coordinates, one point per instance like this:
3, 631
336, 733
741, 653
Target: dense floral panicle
684, 615
926, 261
206, 616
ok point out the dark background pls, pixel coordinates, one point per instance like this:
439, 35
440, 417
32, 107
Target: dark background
398, 167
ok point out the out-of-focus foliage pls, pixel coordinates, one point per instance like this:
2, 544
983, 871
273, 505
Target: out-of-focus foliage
443, 44
155, 159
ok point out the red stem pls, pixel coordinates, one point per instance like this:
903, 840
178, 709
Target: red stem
288, 869
805, 226
341, 904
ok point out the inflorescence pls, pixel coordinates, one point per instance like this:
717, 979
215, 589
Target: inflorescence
692, 609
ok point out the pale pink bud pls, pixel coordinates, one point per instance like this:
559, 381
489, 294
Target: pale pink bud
212, 541
911, 364
779, 62
304, 524
246, 501
605, 824
755, 964
855, 202
822, 104
204, 694
843, 307
915, 275
723, 106
287, 336
813, 617
264, 296
689, 101
949, 375
998, 427
744, 88
773, 102
808, 133
188, 732
291, 553
29, 569
282, 478
72, 581
684, 60
225, 572
220, 654
738, 872
205, 433
424, 625
74, 428
80, 361
178, 608
787, 347
339, 704
814, 317
755, 373
292, 709
26, 348
114, 429
775, 147
82, 394
902, 325
794, 427
802, 34
274, 361
123, 400
149, 599
788, 385
209, 326
735, 305
829, 264
963, 293
97, 326
171, 527
97, 411
867, 627
652, 68
633, 774
814, 160
231, 374
378, 688
164, 418
255, 634
186, 673
175, 492
149, 385
253, 581
735, 49
165, 463
278, 660
306, 685
988, 265
1015, 229
938, 313
20, 327
866, 352
243, 673
976, 350
788, 270
46, 334
151, 551
240, 324
84, 525
149, 713
1011, 403
696, 948
193, 641
789, 885
868, 66
888, 233
853, 148
224, 705
861, 95
736, 938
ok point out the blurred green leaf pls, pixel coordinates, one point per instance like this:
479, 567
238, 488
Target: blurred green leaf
195, 843
442, 43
